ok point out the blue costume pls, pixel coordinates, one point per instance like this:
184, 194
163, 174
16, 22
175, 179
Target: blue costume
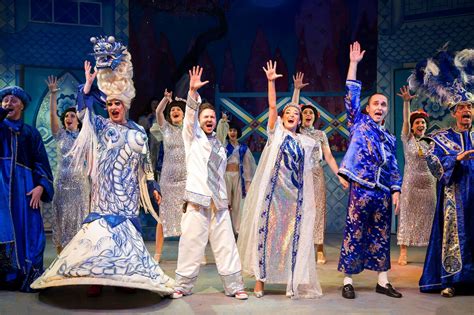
109, 249
23, 166
449, 259
371, 167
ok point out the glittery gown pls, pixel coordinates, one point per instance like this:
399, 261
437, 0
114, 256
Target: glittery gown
276, 235
72, 189
319, 182
418, 197
172, 178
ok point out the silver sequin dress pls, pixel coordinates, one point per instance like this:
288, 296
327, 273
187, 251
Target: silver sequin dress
71, 193
172, 178
418, 197
319, 182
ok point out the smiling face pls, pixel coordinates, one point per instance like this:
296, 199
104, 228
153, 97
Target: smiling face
116, 110
463, 115
377, 108
233, 134
71, 121
207, 120
176, 115
291, 118
419, 127
308, 117
14, 105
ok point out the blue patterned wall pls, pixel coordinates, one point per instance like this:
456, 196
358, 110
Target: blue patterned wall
411, 30
49, 46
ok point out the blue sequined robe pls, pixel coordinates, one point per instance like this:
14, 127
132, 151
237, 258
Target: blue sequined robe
371, 167
449, 259
23, 166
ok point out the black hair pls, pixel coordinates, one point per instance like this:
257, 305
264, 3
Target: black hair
63, 117
180, 104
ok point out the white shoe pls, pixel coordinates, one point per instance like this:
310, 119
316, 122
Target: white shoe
241, 295
177, 294
258, 294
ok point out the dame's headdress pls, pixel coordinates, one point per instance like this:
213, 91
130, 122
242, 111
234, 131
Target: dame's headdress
447, 78
115, 70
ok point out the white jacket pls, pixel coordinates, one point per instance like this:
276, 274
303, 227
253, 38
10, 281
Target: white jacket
199, 149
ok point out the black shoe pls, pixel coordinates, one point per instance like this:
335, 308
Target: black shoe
388, 291
348, 291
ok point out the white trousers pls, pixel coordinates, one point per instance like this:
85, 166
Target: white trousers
198, 225
234, 194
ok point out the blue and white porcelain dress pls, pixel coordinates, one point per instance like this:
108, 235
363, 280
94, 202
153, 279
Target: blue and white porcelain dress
109, 249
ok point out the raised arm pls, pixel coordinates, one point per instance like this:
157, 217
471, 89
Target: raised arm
298, 86
52, 84
222, 128
192, 103
355, 56
90, 77
406, 97
160, 116
353, 87
270, 71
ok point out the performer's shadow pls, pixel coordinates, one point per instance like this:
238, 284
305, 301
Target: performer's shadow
112, 298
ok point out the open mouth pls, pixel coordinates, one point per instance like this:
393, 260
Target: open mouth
209, 125
420, 128
115, 113
291, 121
466, 116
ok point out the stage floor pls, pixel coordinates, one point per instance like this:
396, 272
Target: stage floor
208, 297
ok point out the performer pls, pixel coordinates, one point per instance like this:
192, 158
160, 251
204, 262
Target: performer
71, 198
240, 168
25, 180
418, 200
206, 216
173, 176
109, 249
310, 115
449, 263
276, 234
371, 168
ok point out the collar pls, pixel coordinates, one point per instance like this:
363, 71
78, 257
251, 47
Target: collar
14, 124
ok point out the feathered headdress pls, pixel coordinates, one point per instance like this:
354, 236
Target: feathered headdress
447, 78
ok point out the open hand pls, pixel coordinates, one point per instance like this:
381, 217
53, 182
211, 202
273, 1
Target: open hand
355, 55
90, 77
405, 94
195, 82
52, 83
466, 155
35, 194
298, 81
270, 71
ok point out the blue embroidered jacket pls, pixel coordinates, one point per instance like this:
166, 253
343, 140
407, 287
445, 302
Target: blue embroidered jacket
370, 159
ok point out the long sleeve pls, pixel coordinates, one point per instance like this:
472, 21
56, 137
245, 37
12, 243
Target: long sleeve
395, 177
441, 165
42, 174
190, 122
249, 166
352, 101
222, 130
155, 131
